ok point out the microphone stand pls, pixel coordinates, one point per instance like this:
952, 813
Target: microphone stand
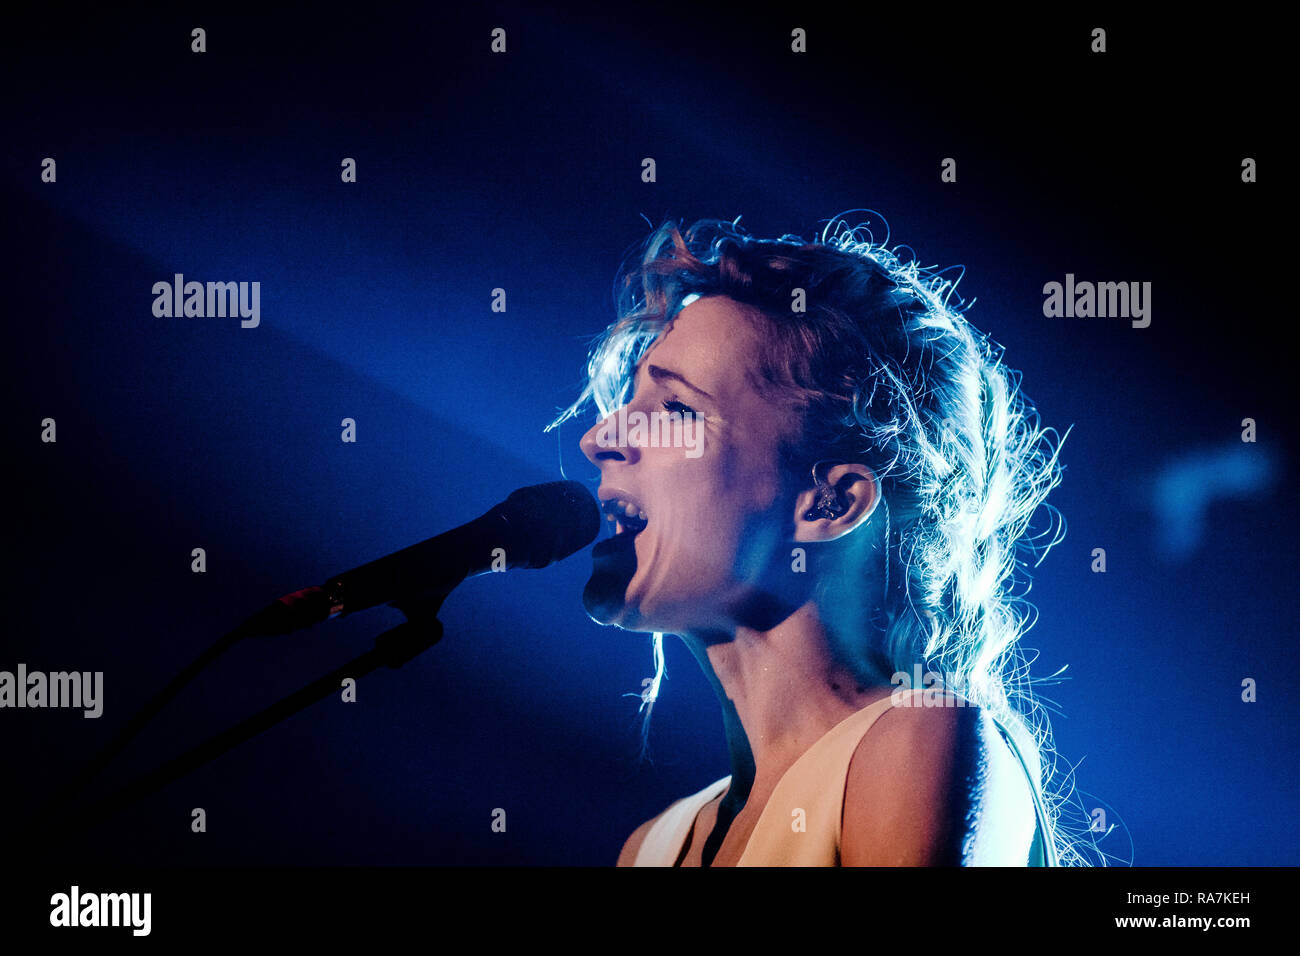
393, 648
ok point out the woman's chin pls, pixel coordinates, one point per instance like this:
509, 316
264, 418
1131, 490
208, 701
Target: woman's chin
605, 598
613, 566
608, 603
602, 610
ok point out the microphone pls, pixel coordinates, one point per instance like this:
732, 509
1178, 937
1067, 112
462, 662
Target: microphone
532, 528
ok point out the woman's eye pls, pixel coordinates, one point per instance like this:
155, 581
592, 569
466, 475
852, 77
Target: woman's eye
674, 406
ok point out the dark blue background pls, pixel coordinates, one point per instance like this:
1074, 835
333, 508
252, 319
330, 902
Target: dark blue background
522, 172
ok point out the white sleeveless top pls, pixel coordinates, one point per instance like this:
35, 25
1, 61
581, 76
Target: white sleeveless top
815, 784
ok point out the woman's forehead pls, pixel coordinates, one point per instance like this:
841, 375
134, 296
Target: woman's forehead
713, 344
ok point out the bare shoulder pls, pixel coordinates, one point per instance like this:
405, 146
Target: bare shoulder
628, 854
935, 786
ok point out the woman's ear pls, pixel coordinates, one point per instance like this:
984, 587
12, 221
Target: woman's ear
843, 498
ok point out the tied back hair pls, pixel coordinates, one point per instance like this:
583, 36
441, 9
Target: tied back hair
886, 371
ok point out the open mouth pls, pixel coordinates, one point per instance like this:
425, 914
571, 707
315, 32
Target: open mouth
614, 560
628, 517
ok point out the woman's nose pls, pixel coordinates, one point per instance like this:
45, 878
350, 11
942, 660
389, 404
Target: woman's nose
605, 441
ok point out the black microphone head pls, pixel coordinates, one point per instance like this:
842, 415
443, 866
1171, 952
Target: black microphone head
550, 522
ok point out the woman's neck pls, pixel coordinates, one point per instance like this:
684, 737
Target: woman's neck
781, 690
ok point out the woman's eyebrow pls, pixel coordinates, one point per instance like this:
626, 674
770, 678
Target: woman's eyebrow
660, 374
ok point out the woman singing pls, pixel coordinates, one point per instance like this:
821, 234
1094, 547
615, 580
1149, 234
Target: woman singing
851, 474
